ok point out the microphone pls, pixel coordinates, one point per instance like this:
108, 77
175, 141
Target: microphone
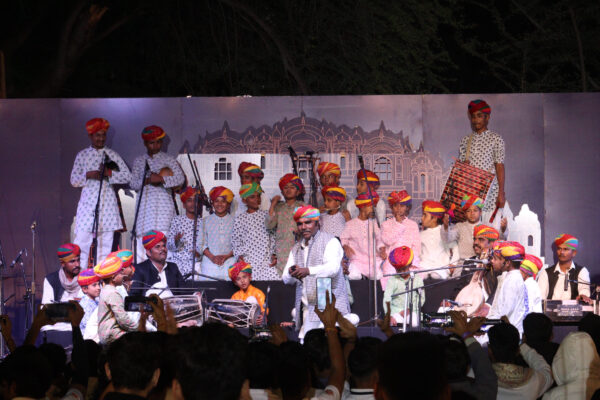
566, 281
476, 261
33, 225
16, 260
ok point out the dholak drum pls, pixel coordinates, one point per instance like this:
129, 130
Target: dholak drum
465, 179
235, 312
186, 308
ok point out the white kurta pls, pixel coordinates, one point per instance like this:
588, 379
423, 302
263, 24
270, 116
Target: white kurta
510, 299
89, 159
157, 208
435, 252
534, 295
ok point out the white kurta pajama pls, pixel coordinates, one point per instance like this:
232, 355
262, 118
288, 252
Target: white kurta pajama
181, 253
109, 219
157, 208
510, 299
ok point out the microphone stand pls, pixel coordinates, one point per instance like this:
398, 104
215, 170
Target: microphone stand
294, 158
137, 212
92, 257
33, 231
2, 310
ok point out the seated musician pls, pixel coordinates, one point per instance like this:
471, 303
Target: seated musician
240, 274
156, 275
552, 279
530, 266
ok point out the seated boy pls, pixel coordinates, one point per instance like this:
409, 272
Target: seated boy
435, 249
530, 267
240, 274
90, 285
401, 259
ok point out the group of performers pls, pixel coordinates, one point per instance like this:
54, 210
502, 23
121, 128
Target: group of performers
283, 238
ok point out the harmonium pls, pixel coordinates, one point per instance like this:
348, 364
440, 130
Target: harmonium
568, 311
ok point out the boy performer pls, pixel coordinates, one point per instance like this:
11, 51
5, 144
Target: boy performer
250, 240
86, 175
240, 274
90, 285
333, 220
529, 270
552, 279
401, 259
218, 227
181, 234
164, 174
250, 173
329, 176
361, 187
435, 249
281, 217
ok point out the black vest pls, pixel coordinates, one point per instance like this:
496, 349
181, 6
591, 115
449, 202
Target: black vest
553, 277
57, 287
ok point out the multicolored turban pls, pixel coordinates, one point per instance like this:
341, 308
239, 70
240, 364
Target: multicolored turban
486, 232
249, 189
434, 208
152, 238
364, 200
511, 251
335, 192
479, 105
307, 212
68, 251
153, 132
238, 267
372, 178
401, 257
220, 191
125, 255
294, 180
531, 265
328, 168
401, 197
470, 200
251, 169
187, 193
87, 277
566, 240
109, 267
96, 124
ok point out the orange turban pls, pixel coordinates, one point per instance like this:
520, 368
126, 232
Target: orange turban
96, 124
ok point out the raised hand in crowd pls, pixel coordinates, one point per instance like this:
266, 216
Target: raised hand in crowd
41, 319
6, 330
278, 335
384, 324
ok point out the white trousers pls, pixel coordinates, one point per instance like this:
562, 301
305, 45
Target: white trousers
84, 240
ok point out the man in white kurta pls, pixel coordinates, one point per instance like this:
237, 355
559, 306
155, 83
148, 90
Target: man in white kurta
86, 175
157, 207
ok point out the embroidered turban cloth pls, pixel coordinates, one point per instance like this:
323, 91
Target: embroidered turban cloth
152, 238
87, 277
249, 189
372, 178
486, 232
220, 191
251, 169
401, 257
531, 265
328, 168
434, 208
187, 193
335, 192
479, 105
470, 200
109, 267
68, 251
363, 199
294, 180
307, 212
401, 197
512, 251
238, 267
566, 240
96, 124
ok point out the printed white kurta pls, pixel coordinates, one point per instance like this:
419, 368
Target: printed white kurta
109, 220
181, 254
157, 209
251, 239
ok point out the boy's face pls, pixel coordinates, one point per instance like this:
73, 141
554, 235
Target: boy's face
331, 204
158, 253
117, 280
565, 254
479, 121
189, 204
72, 266
400, 210
127, 273
92, 290
221, 206
366, 210
329, 179
473, 214
247, 178
361, 186
153, 146
243, 280
252, 201
290, 191
428, 220
98, 139
498, 262
480, 244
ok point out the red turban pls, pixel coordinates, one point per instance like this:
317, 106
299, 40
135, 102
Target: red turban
238, 267
153, 132
308, 212
294, 180
152, 238
335, 192
363, 199
485, 231
401, 257
220, 191
434, 208
96, 124
187, 193
400, 197
372, 177
68, 251
479, 105
251, 169
328, 168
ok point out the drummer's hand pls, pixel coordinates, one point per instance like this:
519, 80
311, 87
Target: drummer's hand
95, 175
259, 319
503, 224
155, 179
500, 200
273, 260
300, 273
446, 221
583, 297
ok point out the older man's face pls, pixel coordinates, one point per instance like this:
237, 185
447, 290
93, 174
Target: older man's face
307, 227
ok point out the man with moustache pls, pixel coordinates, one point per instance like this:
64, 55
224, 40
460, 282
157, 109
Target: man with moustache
156, 275
317, 255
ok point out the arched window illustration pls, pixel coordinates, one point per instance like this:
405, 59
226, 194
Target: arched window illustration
222, 170
383, 168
